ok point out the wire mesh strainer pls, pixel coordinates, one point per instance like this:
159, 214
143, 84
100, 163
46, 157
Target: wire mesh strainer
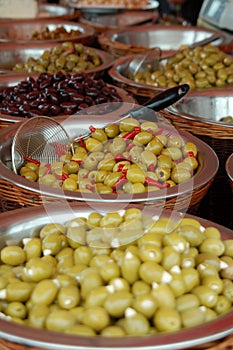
41, 138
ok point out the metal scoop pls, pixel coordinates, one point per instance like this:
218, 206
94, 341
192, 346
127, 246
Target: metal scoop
43, 139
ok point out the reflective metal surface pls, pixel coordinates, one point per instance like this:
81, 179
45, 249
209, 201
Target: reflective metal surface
207, 106
168, 38
20, 32
18, 224
11, 54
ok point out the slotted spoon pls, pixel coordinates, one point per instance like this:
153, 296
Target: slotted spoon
43, 139
39, 138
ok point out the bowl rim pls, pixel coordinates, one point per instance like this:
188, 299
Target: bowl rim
209, 164
229, 167
108, 35
213, 330
88, 31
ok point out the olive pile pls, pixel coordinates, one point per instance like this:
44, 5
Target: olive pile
129, 157
201, 67
66, 57
55, 94
118, 274
58, 33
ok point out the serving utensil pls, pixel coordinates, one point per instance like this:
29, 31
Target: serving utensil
44, 139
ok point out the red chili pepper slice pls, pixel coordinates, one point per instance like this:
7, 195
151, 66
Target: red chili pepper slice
129, 146
82, 144
90, 188
59, 149
32, 160
160, 131
62, 177
92, 128
119, 182
48, 166
151, 167
153, 182
131, 134
169, 133
119, 157
190, 154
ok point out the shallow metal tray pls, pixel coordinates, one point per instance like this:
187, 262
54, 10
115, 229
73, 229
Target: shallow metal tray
20, 32
17, 224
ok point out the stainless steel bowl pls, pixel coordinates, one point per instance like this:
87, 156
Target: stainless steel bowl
51, 12
123, 19
182, 197
11, 54
207, 107
168, 38
229, 170
20, 32
18, 224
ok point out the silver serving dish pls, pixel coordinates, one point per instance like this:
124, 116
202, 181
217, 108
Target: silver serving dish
208, 107
11, 54
20, 32
168, 38
31, 220
182, 196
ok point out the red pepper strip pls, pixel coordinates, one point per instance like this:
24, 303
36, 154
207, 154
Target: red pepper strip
152, 182
169, 133
59, 149
160, 131
48, 166
149, 130
120, 167
90, 188
130, 135
190, 154
119, 157
82, 144
151, 167
129, 146
77, 161
92, 128
119, 182
62, 177
32, 160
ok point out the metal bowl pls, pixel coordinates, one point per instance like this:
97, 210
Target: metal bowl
123, 19
207, 107
229, 170
182, 197
20, 32
15, 79
18, 224
200, 112
168, 38
11, 54
52, 12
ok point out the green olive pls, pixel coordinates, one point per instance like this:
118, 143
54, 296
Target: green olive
167, 319
13, 255
59, 320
